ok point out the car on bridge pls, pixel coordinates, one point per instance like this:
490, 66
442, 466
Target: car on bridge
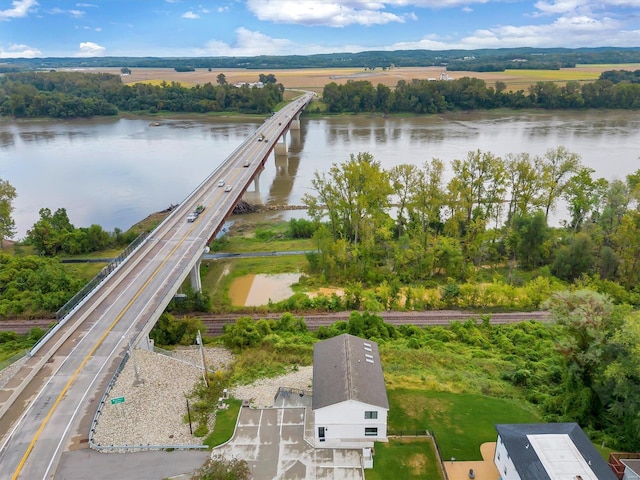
221, 183
228, 188
246, 164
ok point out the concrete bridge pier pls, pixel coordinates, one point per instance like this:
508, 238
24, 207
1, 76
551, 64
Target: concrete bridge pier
295, 123
256, 180
282, 164
194, 274
281, 147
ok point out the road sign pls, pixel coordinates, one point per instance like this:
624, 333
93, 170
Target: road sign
117, 400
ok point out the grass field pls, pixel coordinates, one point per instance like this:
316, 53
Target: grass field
461, 422
225, 424
405, 458
316, 78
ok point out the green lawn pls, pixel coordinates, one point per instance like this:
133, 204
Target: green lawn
461, 422
405, 458
225, 424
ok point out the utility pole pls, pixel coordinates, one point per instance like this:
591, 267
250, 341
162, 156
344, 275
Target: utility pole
204, 365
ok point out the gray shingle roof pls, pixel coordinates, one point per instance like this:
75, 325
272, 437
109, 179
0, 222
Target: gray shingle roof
525, 459
347, 368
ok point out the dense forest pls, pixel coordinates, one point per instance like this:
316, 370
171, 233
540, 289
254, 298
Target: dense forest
75, 94
470, 60
615, 89
405, 226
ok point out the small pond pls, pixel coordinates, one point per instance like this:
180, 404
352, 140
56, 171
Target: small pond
257, 289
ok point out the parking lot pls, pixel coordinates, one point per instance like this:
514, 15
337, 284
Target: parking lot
272, 442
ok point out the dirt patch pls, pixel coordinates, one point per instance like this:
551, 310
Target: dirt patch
418, 463
327, 292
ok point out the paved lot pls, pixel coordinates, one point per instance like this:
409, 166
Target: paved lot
484, 470
88, 464
272, 442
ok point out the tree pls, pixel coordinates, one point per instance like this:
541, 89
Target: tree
620, 384
404, 180
221, 79
583, 195
626, 244
575, 259
527, 238
270, 78
523, 183
125, 71
7, 224
354, 195
588, 320
557, 165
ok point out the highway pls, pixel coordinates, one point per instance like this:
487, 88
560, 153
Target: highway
48, 405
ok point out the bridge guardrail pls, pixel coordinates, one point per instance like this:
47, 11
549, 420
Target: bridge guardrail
87, 290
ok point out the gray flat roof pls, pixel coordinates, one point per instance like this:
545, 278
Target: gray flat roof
553, 451
347, 367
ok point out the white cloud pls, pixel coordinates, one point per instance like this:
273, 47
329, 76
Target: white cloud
190, 15
20, 51
247, 44
86, 5
76, 13
21, 8
90, 49
335, 13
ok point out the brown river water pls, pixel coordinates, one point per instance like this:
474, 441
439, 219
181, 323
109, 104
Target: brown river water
114, 172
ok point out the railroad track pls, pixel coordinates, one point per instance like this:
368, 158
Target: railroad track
214, 324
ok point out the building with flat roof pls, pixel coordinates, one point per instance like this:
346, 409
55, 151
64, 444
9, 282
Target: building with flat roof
349, 401
548, 451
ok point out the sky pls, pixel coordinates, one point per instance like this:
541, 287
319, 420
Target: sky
185, 28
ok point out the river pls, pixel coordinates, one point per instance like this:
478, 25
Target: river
114, 172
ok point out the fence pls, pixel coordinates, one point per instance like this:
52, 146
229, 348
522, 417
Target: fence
422, 433
181, 357
97, 280
11, 360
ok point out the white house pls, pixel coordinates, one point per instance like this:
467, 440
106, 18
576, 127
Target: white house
548, 451
349, 400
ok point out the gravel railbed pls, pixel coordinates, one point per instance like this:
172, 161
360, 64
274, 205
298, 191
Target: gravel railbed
155, 404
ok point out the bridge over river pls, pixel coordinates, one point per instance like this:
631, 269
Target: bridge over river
48, 405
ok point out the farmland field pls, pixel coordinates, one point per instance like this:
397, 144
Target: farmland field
316, 78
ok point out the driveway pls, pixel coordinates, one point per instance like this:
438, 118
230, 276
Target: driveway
272, 442
483, 470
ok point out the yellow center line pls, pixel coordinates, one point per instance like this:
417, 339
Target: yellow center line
93, 350
86, 358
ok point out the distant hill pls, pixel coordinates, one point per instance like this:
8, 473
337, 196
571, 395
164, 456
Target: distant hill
470, 60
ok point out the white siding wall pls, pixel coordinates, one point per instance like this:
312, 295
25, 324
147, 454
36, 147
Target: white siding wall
502, 461
345, 422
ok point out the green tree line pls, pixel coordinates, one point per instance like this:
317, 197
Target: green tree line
500, 58
54, 234
76, 94
439, 96
407, 225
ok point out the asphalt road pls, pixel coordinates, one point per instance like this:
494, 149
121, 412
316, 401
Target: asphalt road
47, 407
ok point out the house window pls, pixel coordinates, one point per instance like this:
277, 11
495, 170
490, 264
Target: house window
505, 469
371, 432
498, 455
370, 415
